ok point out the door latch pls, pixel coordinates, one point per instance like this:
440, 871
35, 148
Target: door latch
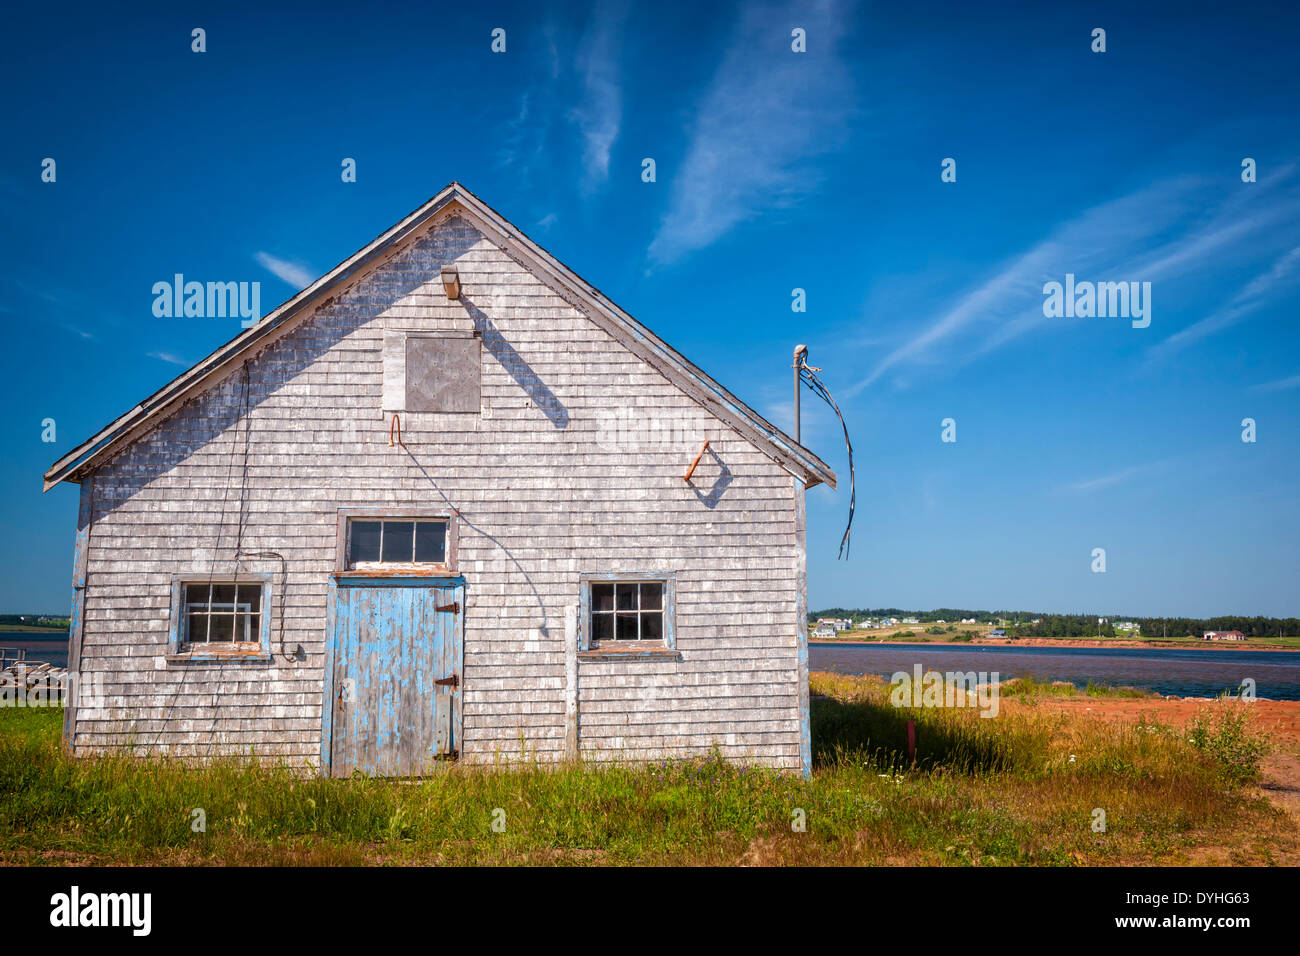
452, 681
454, 607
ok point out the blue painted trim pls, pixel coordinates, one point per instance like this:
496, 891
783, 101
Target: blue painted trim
80, 554
179, 652
801, 625
365, 580
327, 689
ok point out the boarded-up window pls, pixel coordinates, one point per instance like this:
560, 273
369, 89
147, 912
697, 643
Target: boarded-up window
442, 374
431, 373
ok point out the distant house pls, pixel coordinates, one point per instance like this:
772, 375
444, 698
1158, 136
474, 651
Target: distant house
997, 633
1224, 636
824, 629
910, 620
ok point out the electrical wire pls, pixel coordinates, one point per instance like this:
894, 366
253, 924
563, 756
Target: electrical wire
809, 378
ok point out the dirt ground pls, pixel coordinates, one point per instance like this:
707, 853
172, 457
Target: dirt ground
1279, 720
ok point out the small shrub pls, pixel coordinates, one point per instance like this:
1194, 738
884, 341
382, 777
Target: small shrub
1223, 734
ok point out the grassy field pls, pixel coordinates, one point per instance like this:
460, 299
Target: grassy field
1014, 790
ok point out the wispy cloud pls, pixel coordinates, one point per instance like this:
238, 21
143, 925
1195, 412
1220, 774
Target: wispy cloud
1251, 297
169, 358
1120, 477
1281, 385
767, 112
294, 273
599, 113
1153, 233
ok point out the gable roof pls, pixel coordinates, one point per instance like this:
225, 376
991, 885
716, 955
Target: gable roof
109, 441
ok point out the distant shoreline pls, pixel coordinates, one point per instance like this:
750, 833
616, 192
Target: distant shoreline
1063, 642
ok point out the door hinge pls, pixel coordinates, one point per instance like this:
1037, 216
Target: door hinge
453, 607
452, 681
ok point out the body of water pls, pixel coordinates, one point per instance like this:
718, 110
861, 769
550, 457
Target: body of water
40, 650
1185, 673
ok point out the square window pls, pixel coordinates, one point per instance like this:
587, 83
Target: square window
223, 617
442, 374
627, 613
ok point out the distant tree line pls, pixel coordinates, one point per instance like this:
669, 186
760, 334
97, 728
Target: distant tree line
49, 620
1020, 623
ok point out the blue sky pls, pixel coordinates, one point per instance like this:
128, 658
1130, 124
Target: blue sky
775, 170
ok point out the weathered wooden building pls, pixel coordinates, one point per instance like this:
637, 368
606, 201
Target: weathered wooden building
435, 505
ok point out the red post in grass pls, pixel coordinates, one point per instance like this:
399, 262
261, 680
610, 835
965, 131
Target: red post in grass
911, 741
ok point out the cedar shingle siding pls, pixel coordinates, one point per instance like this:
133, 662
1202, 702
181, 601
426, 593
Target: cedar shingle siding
546, 488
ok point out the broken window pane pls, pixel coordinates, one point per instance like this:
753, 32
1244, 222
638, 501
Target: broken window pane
602, 627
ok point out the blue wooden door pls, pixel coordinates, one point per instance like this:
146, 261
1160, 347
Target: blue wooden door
395, 684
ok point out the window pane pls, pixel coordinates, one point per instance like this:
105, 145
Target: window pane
652, 627
222, 627
626, 628
196, 593
365, 541
431, 541
602, 597
602, 627
223, 597
250, 598
652, 596
627, 597
399, 541
196, 627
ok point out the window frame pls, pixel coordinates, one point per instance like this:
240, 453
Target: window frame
640, 648
343, 565
180, 650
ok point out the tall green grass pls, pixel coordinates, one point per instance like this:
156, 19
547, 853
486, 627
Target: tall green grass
1017, 789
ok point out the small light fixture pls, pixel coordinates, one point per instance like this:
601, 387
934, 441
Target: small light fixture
451, 281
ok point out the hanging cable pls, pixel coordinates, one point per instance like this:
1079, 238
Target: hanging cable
809, 377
